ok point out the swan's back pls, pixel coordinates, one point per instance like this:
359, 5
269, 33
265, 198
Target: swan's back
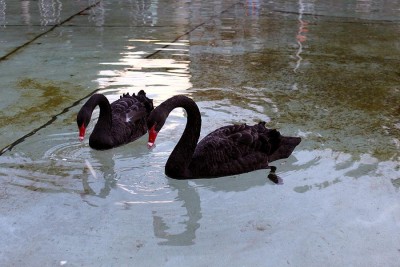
237, 149
126, 123
132, 107
129, 115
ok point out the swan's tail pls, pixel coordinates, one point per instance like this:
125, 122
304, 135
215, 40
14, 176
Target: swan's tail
147, 102
286, 147
142, 98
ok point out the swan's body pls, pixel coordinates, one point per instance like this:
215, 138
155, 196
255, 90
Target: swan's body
229, 150
121, 122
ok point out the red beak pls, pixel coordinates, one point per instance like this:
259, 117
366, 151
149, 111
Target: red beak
152, 136
82, 130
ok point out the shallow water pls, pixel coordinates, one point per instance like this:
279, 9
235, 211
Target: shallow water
324, 71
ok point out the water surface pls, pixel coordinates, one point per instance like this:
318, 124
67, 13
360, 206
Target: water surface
324, 71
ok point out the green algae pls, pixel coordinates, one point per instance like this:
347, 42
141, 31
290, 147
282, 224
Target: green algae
338, 87
39, 99
349, 106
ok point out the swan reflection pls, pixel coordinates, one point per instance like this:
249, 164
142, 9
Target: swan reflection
187, 194
106, 172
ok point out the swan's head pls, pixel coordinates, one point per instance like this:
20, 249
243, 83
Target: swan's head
82, 131
82, 119
155, 122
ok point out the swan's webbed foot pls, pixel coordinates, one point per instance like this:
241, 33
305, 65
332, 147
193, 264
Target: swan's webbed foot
273, 177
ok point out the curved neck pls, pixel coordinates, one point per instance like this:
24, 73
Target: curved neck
104, 121
180, 158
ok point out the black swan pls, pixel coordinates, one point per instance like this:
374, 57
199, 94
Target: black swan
229, 150
121, 122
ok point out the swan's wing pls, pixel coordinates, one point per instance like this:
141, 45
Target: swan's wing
134, 115
235, 149
287, 145
129, 115
131, 108
243, 137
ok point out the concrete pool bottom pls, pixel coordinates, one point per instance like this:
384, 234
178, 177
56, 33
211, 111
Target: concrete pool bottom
338, 205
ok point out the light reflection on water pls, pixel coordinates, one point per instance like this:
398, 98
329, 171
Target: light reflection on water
236, 74
3, 7
50, 11
160, 77
95, 173
301, 36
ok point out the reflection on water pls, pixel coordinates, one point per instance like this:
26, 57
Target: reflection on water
300, 67
161, 77
303, 29
186, 194
252, 7
141, 12
107, 175
3, 7
50, 11
25, 12
364, 6
167, 226
97, 13
52, 168
144, 12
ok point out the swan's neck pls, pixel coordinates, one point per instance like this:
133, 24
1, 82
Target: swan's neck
104, 122
177, 165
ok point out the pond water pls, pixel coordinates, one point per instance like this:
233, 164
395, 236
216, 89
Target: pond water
327, 72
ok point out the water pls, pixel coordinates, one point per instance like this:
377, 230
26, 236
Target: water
324, 71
